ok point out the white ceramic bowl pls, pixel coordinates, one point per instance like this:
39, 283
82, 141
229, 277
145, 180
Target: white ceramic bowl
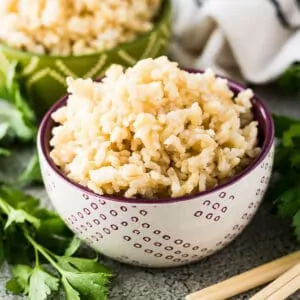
165, 232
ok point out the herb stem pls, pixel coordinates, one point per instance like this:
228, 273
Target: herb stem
4, 206
36, 253
37, 247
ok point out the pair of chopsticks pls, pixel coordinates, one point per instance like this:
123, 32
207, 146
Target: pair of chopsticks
285, 269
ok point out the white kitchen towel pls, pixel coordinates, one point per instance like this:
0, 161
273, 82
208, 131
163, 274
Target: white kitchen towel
251, 40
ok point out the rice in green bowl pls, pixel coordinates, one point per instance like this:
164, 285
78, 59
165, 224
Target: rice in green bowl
43, 75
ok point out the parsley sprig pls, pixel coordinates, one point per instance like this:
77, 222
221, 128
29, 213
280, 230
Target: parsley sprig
31, 237
290, 79
34, 241
18, 128
284, 190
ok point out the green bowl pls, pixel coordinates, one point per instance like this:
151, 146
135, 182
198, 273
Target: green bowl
44, 76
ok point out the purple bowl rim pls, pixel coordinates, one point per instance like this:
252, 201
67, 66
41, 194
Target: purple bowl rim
233, 85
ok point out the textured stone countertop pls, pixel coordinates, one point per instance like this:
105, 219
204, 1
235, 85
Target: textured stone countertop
266, 238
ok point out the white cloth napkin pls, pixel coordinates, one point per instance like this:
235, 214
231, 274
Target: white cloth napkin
251, 40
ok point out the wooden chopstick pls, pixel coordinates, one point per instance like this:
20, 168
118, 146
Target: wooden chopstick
284, 286
248, 280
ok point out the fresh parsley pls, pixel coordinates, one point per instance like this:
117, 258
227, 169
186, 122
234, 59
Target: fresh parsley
284, 190
18, 130
35, 241
40, 249
290, 79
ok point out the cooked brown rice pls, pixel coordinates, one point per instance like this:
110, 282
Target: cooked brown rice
153, 130
64, 27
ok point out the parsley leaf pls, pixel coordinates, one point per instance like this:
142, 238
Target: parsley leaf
85, 276
17, 119
17, 215
32, 172
291, 136
4, 152
73, 246
78, 264
19, 284
17, 249
12, 124
20, 216
18, 127
296, 224
80, 276
71, 294
14, 286
52, 232
289, 202
91, 286
15, 96
282, 123
284, 189
18, 199
41, 284
2, 254
290, 79
29, 233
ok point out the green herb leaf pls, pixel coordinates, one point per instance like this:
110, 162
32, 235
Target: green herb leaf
3, 91
2, 253
20, 283
284, 190
20, 216
18, 199
16, 248
20, 171
296, 224
14, 287
73, 246
282, 123
289, 202
77, 264
29, 233
295, 159
17, 215
17, 125
13, 125
71, 294
290, 79
15, 96
4, 152
32, 173
52, 232
4, 127
290, 135
91, 286
85, 276
41, 284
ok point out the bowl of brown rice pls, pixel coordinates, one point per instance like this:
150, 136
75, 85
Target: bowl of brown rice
51, 40
155, 165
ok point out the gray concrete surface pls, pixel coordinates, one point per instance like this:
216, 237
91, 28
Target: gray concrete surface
266, 238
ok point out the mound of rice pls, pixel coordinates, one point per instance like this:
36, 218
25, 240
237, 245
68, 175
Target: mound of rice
64, 27
153, 131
